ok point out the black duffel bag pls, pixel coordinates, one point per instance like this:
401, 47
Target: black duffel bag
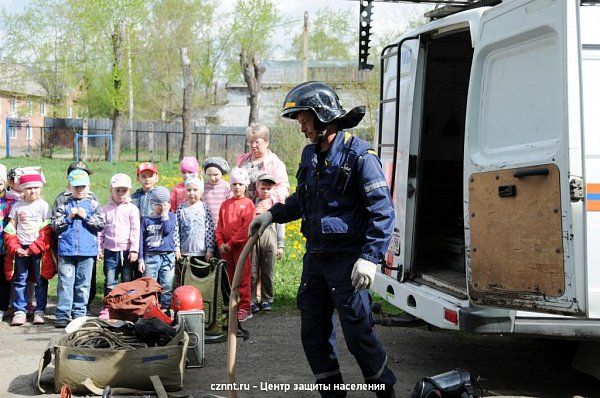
457, 383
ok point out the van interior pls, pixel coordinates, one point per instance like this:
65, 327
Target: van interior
439, 244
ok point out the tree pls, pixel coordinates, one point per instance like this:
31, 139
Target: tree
255, 21
188, 94
332, 35
35, 47
102, 28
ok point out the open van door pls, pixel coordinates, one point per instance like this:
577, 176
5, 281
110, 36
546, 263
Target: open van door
398, 146
524, 226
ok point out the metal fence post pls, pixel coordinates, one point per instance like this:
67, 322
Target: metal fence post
42, 141
7, 140
167, 146
110, 150
76, 146
137, 145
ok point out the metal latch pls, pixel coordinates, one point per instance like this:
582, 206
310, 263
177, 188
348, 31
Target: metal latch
576, 189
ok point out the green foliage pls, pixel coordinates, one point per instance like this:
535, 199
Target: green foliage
254, 23
39, 36
175, 24
286, 142
332, 35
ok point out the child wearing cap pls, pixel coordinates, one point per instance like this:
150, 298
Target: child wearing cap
189, 168
62, 198
28, 239
119, 242
159, 243
268, 247
235, 216
77, 223
196, 228
147, 176
5, 206
216, 189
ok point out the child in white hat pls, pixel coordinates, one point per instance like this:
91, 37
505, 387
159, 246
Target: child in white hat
119, 242
196, 228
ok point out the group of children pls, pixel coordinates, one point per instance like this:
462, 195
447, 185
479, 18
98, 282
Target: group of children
137, 234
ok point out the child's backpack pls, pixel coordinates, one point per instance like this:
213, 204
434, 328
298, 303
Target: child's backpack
211, 279
128, 300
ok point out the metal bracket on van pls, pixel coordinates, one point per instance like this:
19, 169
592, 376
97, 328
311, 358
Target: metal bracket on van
576, 189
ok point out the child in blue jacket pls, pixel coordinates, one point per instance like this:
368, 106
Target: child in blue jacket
76, 222
159, 243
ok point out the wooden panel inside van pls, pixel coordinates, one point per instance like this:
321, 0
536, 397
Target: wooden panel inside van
516, 232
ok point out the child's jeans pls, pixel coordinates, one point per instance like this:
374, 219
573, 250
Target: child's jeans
25, 266
115, 263
73, 290
161, 267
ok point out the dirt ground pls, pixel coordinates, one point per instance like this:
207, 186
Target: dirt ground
273, 354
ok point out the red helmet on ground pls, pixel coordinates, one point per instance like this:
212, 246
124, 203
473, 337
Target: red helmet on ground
154, 311
186, 298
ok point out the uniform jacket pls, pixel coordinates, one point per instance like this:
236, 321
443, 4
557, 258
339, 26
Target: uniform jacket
43, 245
76, 236
344, 202
122, 229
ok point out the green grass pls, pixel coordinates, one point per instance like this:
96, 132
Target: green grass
287, 270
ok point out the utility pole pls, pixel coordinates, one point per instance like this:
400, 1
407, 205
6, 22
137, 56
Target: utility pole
305, 48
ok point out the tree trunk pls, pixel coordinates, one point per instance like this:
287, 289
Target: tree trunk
117, 127
188, 94
253, 70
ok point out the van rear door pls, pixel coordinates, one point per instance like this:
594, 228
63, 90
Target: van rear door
398, 146
524, 226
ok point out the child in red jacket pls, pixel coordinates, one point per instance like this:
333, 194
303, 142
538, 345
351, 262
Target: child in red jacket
235, 216
28, 239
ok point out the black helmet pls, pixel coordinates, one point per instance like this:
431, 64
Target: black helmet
323, 101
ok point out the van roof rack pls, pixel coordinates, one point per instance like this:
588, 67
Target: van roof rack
448, 7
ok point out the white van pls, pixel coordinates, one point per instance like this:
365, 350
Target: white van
491, 146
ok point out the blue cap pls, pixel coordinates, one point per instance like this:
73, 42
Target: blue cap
78, 178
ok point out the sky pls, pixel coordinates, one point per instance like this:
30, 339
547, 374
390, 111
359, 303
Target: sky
386, 17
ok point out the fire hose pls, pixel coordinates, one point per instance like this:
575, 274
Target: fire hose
232, 325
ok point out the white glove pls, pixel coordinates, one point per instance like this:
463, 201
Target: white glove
260, 223
363, 274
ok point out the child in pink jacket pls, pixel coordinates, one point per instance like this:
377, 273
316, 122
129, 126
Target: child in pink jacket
118, 243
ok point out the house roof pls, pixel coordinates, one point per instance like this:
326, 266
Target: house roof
17, 80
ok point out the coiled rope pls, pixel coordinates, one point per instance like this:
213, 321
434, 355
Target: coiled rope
101, 335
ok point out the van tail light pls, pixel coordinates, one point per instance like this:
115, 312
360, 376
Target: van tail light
451, 316
389, 261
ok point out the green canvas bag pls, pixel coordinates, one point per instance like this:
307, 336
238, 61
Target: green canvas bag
211, 279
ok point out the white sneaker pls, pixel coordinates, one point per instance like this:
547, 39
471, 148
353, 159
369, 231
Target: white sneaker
38, 318
2, 313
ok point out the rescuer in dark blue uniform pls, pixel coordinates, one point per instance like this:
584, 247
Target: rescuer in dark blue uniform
347, 219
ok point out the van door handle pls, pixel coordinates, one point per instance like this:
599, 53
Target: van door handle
540, 171
410, 190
